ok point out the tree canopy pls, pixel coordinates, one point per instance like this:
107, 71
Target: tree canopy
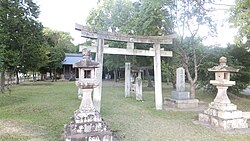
240, 17
20, 32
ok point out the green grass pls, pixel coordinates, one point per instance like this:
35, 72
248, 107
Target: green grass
42, 108
39, 111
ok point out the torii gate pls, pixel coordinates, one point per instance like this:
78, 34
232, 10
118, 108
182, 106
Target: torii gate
155, 52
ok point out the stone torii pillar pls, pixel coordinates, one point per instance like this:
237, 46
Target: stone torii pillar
157, 77
127, 79
98, 73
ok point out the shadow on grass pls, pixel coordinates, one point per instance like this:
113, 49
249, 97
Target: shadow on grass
10, 100
41, 83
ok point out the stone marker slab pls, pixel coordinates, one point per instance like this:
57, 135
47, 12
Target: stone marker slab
138, 89
180, 79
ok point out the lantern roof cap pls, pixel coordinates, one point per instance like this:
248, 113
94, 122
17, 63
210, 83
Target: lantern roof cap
86, 62
222, 67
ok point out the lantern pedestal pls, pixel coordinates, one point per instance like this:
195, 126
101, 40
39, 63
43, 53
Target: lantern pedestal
225, 116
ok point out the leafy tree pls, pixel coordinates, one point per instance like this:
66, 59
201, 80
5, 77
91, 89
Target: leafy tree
213, 54
56, 56
57, 43
240, 17
59, 39
19, 30
190, 16
139, 18
114, 16
240, 59
153, 18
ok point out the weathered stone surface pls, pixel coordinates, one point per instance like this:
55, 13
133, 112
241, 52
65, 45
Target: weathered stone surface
79, 92
86, 123
221, 96
127, 79
185, 104
180, 95
223, 106
133, 87
122, 51
246, 115
97, 94
180, 79
230, 114
225, 124
86, 127
138, 89
93, 33
130, 45
222, 113
157, 77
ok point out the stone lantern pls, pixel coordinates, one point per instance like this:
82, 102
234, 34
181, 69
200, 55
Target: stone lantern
222, 80
87, 124
87, 80
221, 112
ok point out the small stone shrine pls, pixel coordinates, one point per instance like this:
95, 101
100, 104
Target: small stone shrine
180, 98
221, 113
86, 123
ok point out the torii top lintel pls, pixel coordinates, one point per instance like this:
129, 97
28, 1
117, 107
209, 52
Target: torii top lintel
92, 33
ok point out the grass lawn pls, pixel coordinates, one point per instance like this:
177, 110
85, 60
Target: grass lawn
38, 112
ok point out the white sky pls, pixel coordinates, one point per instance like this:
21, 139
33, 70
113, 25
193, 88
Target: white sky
63, 14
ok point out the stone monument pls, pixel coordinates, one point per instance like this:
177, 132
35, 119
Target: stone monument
138, 88
86, 123
221, 113
180, 92
180, 98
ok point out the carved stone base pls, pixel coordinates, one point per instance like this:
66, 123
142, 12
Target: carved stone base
181, 104
180, 95
87, 127
225, 116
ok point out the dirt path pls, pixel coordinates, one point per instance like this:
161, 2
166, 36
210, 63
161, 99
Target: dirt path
21, 130
239, 98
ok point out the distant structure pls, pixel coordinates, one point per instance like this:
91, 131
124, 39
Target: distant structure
69, 72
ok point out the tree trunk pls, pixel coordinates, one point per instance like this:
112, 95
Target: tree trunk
174, 85
192, 91
173, 80
2, 81
9, 82
150, 84
115, 75
17, 78
42, 77
34, 76
55, 75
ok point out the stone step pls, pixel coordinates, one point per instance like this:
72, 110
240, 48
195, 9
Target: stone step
181, 104
246, 115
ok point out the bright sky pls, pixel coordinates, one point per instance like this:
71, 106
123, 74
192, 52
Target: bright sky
63, 14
